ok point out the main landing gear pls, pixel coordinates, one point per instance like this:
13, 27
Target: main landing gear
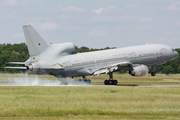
85, 80
110, 81
153, 73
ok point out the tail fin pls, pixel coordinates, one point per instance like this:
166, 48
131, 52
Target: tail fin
35, 42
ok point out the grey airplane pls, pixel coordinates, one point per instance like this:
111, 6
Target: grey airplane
60, 60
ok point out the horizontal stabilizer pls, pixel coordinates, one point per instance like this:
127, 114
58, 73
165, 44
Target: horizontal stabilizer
18, 63
24, 68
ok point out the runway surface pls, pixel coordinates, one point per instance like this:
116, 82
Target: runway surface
119, 85
35, 80
153, 85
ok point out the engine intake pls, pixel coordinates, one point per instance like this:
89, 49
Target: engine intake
138, 71
63, 48
33, 66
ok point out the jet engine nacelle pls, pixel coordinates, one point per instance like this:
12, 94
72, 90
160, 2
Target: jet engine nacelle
62, 48
33, 66
138, 71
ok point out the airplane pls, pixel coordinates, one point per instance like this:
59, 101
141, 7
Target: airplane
60, 60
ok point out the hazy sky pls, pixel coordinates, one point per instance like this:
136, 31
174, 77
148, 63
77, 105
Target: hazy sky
93, 23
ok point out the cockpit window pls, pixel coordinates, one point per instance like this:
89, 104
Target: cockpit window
173, 50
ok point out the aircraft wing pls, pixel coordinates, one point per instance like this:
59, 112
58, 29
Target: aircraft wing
112, 68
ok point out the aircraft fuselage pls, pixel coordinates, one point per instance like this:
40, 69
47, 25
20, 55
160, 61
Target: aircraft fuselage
82, 64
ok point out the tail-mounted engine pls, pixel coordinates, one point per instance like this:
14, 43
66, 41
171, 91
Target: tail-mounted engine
33, 66
138, 71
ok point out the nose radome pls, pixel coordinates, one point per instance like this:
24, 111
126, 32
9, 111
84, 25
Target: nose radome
177, 54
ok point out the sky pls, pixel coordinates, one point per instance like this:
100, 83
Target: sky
93, 23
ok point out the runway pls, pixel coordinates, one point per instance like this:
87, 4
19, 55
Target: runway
149, 85
35, 80
119, 85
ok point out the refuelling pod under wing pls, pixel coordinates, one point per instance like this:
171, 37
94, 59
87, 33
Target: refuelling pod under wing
140, 70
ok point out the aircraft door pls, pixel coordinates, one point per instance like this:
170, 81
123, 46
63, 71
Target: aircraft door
164, 52
68, 65
133, 56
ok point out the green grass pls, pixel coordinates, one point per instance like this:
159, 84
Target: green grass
89, 102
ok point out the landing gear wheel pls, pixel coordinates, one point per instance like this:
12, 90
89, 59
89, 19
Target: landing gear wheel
115, 82
88, 81
110, 82
106, 82
85, 80
153, 74
80, 80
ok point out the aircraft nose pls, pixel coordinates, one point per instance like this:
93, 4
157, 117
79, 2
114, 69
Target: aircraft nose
176, 54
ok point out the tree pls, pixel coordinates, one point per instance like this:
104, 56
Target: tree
150, 70
15, 56
167, 70
12, 53
178, 69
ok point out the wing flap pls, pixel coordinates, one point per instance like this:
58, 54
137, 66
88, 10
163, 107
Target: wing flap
112, 68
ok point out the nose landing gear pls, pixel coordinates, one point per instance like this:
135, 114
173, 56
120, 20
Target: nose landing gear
110, 81
153, 73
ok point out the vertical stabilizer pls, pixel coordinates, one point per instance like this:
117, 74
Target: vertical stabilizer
35, 42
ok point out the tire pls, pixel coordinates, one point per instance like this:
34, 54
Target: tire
115, 82
153, 74
110, 82
106, 82
88, 81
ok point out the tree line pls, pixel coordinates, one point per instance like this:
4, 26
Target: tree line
19, 53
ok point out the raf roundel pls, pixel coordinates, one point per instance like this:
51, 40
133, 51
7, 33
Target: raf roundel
39, 44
